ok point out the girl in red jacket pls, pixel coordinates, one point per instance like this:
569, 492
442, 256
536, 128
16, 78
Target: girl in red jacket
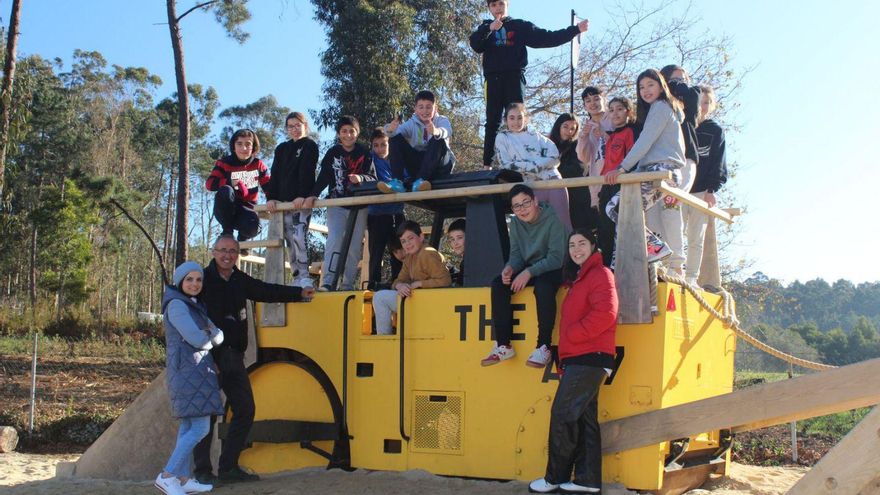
586, 357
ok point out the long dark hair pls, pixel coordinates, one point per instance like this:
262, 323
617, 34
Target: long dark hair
556, 132
642, 107
570, 269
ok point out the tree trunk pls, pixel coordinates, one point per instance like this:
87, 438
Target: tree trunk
183, 136
6, 90
166, 247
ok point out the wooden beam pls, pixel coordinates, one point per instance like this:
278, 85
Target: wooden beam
808, 396
473, 191
263, 243
631, 269
710, 267
851, 466
695, 202
274, 314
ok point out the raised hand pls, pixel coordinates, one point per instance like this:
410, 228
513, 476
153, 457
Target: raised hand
584, 25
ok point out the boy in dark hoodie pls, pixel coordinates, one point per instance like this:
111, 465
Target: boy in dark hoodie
236, 178
502, 42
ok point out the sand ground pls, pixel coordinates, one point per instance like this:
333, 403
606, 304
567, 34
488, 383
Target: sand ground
33, 474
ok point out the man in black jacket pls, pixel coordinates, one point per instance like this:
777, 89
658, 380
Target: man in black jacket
225, 292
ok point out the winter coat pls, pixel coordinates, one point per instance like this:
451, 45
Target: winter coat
588, 317
191, 375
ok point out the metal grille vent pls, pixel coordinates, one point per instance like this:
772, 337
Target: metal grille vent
438, 422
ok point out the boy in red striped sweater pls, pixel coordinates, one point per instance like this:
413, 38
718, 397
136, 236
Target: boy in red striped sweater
237, 178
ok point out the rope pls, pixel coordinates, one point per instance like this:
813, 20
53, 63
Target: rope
729, 319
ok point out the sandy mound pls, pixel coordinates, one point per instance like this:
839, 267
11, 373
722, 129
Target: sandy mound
29, 474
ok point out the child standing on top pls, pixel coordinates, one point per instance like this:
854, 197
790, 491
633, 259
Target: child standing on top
619, 142
382, 219
502, 42
293, 177
236, 178
345, 164
530, 153
660, 146
591, 144
711, 176
419, 147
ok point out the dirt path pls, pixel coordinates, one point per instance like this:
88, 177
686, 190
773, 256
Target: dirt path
30, 474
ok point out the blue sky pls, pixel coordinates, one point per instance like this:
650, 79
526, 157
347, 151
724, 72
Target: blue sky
808, 177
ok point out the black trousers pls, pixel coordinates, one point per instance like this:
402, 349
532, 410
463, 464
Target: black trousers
236, 385
546, 286
382, 228
575, 440
583, 215
434, 162
607, 230
232, 214
502, 89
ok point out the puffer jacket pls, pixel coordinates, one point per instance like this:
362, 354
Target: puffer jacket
588, 321
191, 375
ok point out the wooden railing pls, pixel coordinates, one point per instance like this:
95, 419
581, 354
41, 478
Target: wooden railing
631, 270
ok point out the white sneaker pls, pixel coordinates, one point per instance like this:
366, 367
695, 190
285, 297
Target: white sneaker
192, 485
657, 249
572, 487
539, 357
541, 485
169, 486
499, 353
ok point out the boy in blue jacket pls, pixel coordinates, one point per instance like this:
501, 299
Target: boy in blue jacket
502, 42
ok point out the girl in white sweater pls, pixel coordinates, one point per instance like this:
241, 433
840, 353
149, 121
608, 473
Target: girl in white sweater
532, 154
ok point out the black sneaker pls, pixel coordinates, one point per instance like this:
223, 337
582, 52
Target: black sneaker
206, 478
236, 475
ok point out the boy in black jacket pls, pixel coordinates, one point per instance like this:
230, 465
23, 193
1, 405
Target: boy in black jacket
293, 177
502, 43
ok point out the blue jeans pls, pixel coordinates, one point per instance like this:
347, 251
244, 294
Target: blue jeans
191, 431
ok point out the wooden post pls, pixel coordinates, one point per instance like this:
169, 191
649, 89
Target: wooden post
274, 314
793, 424
365, 261
710, 270
631, 269
850, 466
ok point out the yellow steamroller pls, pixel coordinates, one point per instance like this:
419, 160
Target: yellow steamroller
329, 392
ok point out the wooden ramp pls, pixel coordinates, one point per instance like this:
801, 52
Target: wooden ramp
852, 467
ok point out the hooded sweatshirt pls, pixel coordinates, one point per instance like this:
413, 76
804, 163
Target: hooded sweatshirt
417, 136
539, 246
529, 153
660, 141
293, 170
505, 50
338, 164
712, 170
245, 176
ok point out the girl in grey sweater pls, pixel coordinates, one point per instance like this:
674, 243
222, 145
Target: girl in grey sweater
660, 146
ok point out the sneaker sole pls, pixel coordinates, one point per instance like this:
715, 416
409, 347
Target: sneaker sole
423, 187
532, 490
160, 488
385, 188
535, 364
654, 259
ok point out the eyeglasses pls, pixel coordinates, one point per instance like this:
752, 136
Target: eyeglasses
521, 206
226, 251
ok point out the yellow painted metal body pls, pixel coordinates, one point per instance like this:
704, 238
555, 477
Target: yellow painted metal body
463, 419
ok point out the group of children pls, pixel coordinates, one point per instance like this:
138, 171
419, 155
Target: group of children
668, 129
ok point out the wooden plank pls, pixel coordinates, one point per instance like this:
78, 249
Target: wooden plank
264, 243
852, 466
695, 202
631, 269
816, 394
710, 268
474, 191
274, 314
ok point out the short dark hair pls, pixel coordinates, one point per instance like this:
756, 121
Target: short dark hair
394, 244
244, 133
520, 189
348, 120
459, 224
590, 91
425, 95
409, 225
378, 133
